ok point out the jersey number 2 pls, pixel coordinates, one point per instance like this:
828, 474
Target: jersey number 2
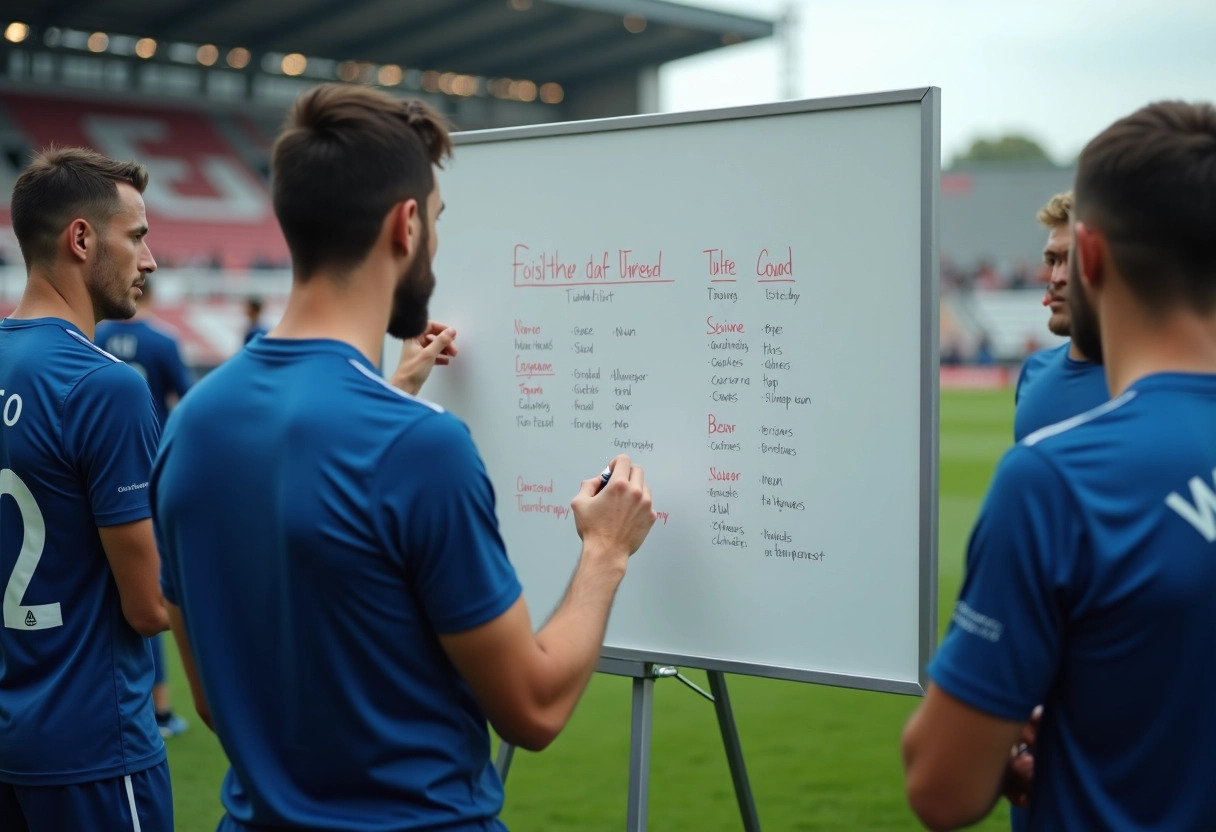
33, 539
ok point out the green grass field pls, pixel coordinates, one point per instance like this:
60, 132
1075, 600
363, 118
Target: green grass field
819, 758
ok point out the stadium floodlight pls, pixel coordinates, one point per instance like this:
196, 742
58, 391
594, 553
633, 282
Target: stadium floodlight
635, 24
390, 75
552, 93
523, 90
145, 47
16, 32
294, 64
98, 41
207, 54
239, 57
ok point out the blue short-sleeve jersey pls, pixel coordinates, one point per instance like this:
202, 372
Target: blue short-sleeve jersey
76, 445
153, 352
319, 530
1091, 574
1053, 387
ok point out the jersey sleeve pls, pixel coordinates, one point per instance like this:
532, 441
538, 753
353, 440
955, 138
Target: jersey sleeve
1003, 647
110, 433
439, 509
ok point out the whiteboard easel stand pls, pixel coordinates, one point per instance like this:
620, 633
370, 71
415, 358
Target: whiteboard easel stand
644, 675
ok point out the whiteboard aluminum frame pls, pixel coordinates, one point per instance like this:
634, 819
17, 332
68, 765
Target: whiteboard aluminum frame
929, 99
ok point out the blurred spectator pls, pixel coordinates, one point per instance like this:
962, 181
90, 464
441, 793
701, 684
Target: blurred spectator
983, 351
253, 311
986, 275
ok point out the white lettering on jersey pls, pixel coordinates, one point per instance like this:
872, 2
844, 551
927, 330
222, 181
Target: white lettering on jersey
1202, 513
122, 345
12, 408
976, 623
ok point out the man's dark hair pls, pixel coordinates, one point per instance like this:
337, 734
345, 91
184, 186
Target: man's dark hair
1148, 183
347, 155
62, 184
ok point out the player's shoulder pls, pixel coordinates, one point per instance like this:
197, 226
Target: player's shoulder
1082, 428
90, 359
1046, 358
370, 383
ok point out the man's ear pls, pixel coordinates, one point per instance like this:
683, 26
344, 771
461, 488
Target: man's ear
1089, 249
81, 239
406, 225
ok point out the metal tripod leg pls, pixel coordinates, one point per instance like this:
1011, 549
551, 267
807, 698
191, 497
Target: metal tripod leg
639, 752
734, 751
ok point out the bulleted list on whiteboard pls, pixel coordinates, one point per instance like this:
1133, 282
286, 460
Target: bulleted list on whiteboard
587, 363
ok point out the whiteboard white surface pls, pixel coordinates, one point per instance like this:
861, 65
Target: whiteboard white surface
744, 302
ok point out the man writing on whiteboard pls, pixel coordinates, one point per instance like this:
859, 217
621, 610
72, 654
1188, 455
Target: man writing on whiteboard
1062, 381
344, 605
1090, 572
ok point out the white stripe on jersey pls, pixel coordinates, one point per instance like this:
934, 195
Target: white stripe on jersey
84, 340
1080, 419
396, 390
131, 802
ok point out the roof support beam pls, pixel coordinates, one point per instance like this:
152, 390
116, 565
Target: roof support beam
420, 30
178, 22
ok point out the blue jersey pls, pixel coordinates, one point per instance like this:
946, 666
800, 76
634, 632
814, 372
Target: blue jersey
319, 528
76, 447
256, 331
151, 351
1090, 581
1053, 387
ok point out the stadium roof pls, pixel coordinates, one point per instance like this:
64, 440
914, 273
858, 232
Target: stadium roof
551, 40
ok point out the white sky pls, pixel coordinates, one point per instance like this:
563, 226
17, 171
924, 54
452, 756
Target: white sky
1056, 71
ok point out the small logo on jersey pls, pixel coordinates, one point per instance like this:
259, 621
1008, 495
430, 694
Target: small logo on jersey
30, 621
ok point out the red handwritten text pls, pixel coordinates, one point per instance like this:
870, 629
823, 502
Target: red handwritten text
633, 270
528, 369
548, 267
718, 262
765, 267
716, 328
719, 427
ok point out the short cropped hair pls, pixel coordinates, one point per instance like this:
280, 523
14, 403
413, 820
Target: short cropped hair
62, 184
1057, 211
1148, 184
346, 156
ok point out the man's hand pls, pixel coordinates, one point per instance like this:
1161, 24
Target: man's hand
1019, 774
617, 516
419, 355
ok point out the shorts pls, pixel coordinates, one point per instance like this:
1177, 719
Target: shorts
140, 802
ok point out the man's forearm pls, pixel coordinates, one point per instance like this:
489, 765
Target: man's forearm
574, 634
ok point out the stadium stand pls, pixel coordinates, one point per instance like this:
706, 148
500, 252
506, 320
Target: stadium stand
196, 91
208, 205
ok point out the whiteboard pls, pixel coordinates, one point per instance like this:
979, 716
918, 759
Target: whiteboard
745, 301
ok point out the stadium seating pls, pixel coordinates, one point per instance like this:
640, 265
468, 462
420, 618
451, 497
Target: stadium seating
207, 200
